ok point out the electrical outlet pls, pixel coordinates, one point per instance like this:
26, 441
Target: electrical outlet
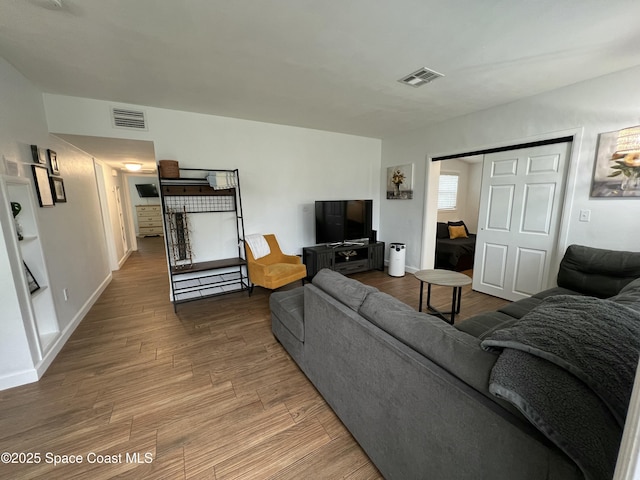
65, 292
585, 215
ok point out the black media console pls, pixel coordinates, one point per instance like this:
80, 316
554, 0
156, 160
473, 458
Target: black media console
344, 258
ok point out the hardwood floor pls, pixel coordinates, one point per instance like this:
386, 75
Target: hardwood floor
140, 392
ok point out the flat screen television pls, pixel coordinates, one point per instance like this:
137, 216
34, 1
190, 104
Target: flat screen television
339, 221
147, 190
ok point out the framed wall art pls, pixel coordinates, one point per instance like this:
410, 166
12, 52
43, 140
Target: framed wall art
43, 187
53, 162
39, 155
617, 169
57, 188
400, 182
31, 281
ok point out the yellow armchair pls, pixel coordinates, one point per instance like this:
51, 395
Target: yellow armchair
275, 269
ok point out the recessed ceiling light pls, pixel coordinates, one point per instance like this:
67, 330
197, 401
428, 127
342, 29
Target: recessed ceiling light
420, 77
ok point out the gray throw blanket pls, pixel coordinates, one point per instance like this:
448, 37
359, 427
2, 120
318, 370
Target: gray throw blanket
569, 366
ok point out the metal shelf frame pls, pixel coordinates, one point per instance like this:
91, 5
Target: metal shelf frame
191, 194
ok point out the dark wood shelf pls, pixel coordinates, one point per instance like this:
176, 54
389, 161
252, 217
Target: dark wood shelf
210, 265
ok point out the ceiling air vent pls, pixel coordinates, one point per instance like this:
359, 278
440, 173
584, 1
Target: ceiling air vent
124, 118
420, 77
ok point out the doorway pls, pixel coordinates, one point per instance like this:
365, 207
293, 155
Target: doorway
561, 200
458, 201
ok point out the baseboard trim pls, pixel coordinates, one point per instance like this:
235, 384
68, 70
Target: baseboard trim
19, 378
51, 354
124, 258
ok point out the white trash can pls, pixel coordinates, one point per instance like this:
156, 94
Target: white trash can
397, 254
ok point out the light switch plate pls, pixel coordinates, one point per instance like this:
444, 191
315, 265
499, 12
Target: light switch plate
585, 215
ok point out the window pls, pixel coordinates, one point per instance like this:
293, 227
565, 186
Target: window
448, 191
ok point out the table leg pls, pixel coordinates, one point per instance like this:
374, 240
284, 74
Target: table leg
453, 305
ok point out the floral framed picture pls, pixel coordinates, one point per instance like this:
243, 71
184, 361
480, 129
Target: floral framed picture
400, 182
57, 188
617, 169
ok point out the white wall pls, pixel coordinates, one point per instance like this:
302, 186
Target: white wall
282, 169
74, 246
605, 104
71, 232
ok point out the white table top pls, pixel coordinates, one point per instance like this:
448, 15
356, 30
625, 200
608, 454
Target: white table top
445, 278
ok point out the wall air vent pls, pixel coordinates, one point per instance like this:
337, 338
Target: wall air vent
420, 77
124, 118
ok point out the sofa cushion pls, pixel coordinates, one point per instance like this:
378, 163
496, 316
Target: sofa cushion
484, 324
348, 291
459, 223
554, 291
632, 288
520, 308
457, 232
597, 272
455, 351
629, 295
288, 307
379, 304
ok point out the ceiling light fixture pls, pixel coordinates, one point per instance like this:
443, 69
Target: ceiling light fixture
132, 167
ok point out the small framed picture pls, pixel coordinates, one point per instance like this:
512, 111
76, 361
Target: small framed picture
53, 162
57, 188
39, 155
31, 281
43, 187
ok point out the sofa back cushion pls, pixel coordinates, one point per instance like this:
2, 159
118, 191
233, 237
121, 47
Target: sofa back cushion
455, 351
348, 291
629, 295
597, 272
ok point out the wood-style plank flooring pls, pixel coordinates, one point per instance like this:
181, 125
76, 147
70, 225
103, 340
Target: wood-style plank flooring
141, 392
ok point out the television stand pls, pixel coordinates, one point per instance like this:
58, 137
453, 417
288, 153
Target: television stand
345, 258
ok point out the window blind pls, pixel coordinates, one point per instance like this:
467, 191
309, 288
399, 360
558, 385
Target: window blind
448, 192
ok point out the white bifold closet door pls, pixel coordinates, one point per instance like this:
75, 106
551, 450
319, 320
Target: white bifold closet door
519, 219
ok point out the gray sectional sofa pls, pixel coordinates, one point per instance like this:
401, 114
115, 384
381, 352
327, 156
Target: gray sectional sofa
428, 400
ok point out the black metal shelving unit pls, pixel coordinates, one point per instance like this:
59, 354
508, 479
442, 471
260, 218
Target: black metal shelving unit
193, 194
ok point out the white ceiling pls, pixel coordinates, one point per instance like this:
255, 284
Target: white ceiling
330, 65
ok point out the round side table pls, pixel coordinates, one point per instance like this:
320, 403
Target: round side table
444, 278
